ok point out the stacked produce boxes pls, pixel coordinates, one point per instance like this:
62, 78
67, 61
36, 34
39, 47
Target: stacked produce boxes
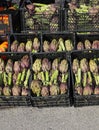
51, 63
81, 16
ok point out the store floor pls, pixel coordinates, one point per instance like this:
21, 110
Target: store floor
85, 118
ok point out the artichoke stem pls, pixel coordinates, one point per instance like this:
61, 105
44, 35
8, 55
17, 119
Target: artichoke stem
55, 81
35, 76
85, 79
98, 79
43, 77
23, 75
18, 79
47, 76
27, 78
5, 78
9, 79
95, 77
63, 77
90, 77
54, 75
66, 77
79, 75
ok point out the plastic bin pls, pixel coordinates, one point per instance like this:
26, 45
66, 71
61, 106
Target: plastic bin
23, 38
84, 100
83, 37
80, 22
51, 101
8, 101
50, 36
79, 2
40, 22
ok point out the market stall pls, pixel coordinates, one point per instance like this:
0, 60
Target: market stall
49, 53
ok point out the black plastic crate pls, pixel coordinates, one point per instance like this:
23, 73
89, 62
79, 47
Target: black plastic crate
51, 101
5, 23
84, 100
83, 37
50, 36
22, 3
8, 101
80, 22
40, 22
65, 3
14, 21
86, 2
23, 37
80, 101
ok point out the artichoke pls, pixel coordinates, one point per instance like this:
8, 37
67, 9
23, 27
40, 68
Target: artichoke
36, 44
63, 88
25, 62
16, 91
79, 90
17, 67
14, 46
44, 91
46, 46
84, 65
87, 90
46, 64
63, 66
80, 46
69, 45
55, 64
93, 66
6, 91
36, 87
53, 45
75, 66
87, 44
54, 90
29, 46
36, 67
21, 47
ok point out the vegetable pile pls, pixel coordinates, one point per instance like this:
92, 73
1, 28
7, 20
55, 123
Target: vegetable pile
86, 76
41, 17
49, 77
29, 46
57, 45
88, 45
14, 76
